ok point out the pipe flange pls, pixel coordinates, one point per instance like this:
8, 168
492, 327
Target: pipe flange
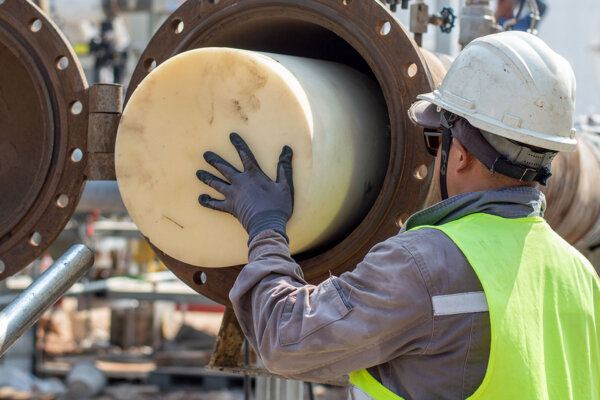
359, 33
43, 120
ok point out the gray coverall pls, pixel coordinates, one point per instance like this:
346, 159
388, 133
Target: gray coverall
380, 316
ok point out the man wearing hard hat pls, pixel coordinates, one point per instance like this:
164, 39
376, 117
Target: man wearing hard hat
476, 297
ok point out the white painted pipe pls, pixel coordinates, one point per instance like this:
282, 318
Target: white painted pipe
332, 116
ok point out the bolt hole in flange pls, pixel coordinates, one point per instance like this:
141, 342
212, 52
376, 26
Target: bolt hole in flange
177, 25
2, 265
149, 64
35, 239
200, 278
411, 70
346, 2
384, 27
76, 107
62, 200
62, 63
421, 172
35, 25
76, 155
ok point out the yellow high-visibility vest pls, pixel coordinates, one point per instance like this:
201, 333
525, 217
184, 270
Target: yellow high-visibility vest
544, 305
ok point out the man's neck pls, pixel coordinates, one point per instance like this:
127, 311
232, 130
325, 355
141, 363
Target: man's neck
483, 180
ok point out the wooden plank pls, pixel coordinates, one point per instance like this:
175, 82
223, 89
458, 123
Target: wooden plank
229, 342
227, 356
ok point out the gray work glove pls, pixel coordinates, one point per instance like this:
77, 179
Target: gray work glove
255, 200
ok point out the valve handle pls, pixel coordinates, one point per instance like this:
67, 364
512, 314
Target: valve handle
448, 19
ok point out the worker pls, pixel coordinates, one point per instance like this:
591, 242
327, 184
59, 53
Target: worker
476, 296
505, 12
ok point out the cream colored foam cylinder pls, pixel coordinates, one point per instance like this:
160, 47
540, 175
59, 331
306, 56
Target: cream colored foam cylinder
332, 116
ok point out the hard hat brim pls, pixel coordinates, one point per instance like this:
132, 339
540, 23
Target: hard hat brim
486, 123
425, 114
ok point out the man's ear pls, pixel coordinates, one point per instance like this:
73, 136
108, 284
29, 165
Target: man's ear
464, 158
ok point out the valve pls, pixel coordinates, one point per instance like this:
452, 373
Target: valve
448, 19
445, 19
420, 19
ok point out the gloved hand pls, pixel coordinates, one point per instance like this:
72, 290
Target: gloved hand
251, 196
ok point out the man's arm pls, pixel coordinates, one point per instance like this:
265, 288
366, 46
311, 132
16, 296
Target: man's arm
377, 312
366, 317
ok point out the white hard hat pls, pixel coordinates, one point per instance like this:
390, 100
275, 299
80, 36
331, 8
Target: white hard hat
509, 84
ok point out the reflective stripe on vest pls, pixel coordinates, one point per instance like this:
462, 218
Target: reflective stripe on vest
544, 304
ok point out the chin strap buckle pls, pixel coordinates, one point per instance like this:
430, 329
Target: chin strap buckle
528, 175
520, 172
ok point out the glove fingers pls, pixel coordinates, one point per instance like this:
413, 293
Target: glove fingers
284, 168
228, 170
208, 202
248, 160
212, 181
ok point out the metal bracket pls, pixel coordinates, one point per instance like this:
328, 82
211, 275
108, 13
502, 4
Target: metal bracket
105, 105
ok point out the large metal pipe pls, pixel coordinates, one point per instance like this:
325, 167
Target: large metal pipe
573, 193
29, 306
362, 35
43, 133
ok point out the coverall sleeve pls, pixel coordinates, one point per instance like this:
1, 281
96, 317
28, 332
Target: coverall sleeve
377, 312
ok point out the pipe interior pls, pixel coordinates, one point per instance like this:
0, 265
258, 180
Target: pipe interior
25, 141
291, 37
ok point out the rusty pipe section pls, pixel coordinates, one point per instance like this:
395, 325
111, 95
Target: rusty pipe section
43, 125
573, 193
362, 35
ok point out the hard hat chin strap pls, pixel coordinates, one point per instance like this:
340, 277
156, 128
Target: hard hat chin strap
525, 164
447, 120
537, 166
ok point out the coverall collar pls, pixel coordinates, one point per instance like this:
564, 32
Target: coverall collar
513, 202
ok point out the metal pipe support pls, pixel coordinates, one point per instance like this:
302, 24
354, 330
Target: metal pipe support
29, 306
